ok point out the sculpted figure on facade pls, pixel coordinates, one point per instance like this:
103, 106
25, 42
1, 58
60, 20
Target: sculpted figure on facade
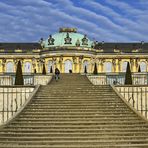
85, 40
68, 39
114, 64
51, 40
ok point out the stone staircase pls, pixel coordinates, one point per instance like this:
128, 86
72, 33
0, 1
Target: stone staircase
73, 113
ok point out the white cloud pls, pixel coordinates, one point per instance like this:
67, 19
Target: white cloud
29, 20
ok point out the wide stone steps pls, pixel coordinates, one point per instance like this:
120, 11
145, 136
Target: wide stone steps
69, 130
39, 119
79, 141
73, 100
77, 138
72, 113
31, 121
76, 134
78, 104
67, 110
112, 118
78, 97
76, 146
75, 126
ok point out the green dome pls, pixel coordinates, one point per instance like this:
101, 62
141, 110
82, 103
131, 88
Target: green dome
74, 39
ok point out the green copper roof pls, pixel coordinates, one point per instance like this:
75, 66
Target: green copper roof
59, 40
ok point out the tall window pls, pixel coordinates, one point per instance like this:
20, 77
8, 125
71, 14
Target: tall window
27, 67
124, 65
143, 66
107, 67
50, 64
10, 67
68, 66
85, 64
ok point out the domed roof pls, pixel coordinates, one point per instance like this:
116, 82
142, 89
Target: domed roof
67, 37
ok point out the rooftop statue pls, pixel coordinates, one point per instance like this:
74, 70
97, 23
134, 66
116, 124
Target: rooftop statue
51, 40
67, 39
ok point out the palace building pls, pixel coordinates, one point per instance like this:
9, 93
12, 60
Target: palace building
69, 50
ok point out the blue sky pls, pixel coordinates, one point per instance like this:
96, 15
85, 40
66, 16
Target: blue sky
101, 20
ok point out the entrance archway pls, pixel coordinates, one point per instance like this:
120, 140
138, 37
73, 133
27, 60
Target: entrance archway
85, 64
68, 66
50, 65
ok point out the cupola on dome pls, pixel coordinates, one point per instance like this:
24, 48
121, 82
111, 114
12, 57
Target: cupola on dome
67, 37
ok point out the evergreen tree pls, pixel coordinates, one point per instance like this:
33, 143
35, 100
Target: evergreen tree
19, 77
139, 69
44, 70
128, 75
95, 70
34, 71
51, 71
85, 69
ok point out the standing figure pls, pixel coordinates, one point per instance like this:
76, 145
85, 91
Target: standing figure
57, 73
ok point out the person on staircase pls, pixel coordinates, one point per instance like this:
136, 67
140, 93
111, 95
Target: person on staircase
57, 74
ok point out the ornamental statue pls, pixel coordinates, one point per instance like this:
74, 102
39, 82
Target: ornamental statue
51, 40
85, 40
41, 41
78, 43
67, 39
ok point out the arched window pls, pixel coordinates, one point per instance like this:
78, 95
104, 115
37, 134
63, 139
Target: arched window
10, 67
107, 67
68, 66
124, 66
27, 67
143, 66
50, 64
85, 64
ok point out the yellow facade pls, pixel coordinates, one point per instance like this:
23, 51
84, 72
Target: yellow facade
62, 50
77, 63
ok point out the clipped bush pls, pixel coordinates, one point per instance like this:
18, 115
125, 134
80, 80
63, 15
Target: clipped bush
128, 75
44, 70
139, 69
85, 69
19, 76
34, 71
95, 70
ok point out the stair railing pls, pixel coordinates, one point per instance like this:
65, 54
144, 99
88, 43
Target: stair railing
136, 96
12, 99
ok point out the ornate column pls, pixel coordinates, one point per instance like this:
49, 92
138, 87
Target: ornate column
15, 61
119, 65
114, 65
75, 64
54, 61
137, 64
99, 65
132, 63
92, 63
34, 64
146, 61
102, 63
39, 64
3, 65
61, 63
80, 64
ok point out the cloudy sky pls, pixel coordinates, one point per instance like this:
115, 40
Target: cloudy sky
101, 20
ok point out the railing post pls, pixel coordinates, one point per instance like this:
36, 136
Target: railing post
141, 102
